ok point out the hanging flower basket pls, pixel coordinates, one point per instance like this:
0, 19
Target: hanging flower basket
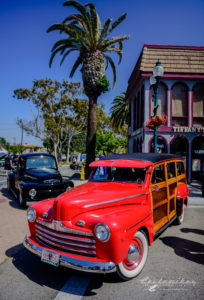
156, 121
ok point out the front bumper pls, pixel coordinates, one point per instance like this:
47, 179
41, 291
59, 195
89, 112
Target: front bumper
73, 263
44, 191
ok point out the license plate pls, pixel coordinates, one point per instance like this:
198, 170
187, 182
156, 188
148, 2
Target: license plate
50, 257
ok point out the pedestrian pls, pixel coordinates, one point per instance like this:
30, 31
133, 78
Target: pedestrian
8, 163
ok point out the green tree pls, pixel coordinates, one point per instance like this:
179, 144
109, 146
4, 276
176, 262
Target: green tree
120, 114
87, 36
78, 143
16, 149
4, 144
110, 143
56, 107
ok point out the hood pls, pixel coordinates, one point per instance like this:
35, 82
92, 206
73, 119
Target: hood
92, 196
43, 174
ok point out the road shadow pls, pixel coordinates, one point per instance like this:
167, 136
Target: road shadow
12, 200
74, 176
187, 249
193, 230
41, 273
14, 250
54, 277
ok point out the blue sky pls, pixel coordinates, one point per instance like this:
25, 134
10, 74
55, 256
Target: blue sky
25, 45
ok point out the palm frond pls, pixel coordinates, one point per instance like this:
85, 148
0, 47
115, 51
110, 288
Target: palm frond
81, 21
65, 55
65, 42
118, 21
119, 112
80, 7
76, 64
76, 33
118, 51
112, 67
62, 48
95, 21
105, 30
59, 27
107, 63
114, 40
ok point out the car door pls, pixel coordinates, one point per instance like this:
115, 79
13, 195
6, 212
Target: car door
19, 171
171, 188
159, 196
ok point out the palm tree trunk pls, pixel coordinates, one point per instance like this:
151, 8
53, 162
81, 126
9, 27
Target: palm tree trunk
91, 133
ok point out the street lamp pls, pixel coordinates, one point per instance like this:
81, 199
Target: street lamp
157, 74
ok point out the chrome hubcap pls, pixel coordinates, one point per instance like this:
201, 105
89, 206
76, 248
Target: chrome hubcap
133, 254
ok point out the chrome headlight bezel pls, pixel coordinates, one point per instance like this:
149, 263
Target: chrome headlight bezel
32, 193
31, 214
102, 232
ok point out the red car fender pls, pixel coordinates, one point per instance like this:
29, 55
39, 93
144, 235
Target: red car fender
182, 193
123, 232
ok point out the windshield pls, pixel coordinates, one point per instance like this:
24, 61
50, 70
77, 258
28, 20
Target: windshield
41, 162
133, 175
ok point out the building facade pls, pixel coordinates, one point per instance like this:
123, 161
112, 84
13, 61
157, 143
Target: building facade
180, 98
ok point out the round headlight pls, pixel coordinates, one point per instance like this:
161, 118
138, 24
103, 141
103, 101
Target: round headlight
32, 193
102, 232
31, 214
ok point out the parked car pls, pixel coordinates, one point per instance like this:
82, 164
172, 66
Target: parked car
108, 223
36, 177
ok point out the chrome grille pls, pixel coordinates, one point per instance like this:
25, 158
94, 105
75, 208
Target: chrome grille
66, 242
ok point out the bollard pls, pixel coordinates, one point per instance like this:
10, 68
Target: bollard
82, 173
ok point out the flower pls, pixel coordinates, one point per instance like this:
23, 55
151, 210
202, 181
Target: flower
156, 121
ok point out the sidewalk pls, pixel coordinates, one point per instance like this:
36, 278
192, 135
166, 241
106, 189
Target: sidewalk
195, 194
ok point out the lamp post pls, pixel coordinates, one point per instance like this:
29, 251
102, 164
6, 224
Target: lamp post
157, 74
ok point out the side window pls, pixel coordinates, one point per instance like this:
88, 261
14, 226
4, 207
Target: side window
180, 168
171, 170
158, 174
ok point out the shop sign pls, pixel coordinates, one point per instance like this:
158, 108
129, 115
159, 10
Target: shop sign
137, 132
188, 129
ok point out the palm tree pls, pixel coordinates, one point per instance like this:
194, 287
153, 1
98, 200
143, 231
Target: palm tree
90, 39
119, 112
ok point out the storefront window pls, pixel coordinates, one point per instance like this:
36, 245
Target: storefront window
197, 157
179, 105
179, 146
198, 106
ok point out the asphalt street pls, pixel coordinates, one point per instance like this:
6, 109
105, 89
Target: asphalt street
174, 269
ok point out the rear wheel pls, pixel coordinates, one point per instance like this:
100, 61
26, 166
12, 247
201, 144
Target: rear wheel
136, 257
21, 199
180, 218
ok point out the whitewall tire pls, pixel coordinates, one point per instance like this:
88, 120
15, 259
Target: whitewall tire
136, 257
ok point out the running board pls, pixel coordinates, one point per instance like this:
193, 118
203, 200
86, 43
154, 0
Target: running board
164, 227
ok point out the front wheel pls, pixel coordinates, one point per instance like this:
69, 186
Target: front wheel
21, 199
136, 257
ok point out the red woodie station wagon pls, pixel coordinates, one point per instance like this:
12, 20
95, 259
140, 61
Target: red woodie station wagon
108, 223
